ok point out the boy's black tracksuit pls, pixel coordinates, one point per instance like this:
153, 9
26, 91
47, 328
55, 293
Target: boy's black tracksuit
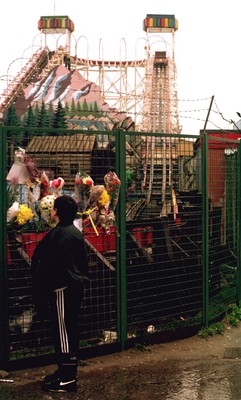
59, 273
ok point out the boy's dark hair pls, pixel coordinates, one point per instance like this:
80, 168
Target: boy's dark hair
66, 208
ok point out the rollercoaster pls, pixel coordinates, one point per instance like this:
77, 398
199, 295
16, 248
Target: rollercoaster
145, 88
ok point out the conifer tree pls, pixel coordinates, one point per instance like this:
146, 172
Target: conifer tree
78, 107
43, 118
30, 122
96, 109
85, 106
51, 114
66, 108
13, 120
59, 117
36, 111
73, 107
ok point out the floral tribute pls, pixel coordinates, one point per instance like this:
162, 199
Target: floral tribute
83, 186
112, 183
102, 202
31, 197
19, 214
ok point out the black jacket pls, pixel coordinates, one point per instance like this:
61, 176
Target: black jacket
59, 260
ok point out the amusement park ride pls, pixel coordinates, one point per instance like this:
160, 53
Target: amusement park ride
144, 89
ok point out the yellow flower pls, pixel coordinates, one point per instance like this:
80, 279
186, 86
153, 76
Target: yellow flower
24, 214
104, 198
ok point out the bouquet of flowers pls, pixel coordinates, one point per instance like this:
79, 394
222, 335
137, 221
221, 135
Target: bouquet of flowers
112, 183
83, 187
99, 211
97, 202
44, 185
56, 186
19, 214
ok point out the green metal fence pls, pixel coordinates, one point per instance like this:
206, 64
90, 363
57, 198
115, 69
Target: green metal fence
170, 263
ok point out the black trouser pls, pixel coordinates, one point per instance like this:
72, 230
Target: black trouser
65, 308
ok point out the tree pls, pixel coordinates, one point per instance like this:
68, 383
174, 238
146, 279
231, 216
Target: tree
78, 107
85, 106
30, 122
51, 114
67, 108
43, 117
59, 117
36, 111
13, 120
73, 107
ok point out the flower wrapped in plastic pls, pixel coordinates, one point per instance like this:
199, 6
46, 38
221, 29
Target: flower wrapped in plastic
12, 211
18, 171
44, 185
98, 210
56, 186
104, 211
19, 214
45, 206
112, 183
91, 214
83, 186
24, 214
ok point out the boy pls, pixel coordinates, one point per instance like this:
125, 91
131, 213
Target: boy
59, 271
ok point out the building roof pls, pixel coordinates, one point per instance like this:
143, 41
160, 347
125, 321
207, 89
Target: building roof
77, 143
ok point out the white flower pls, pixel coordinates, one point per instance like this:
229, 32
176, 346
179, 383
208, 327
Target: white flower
12, 211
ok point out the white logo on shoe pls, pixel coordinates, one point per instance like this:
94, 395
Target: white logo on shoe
66, 383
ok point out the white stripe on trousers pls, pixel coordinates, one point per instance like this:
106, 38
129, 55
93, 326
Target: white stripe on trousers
64, 343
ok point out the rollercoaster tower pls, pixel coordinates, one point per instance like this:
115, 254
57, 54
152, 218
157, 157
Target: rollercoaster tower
160, 109
58, 24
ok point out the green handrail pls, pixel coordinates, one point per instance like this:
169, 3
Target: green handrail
4, 346
121, 239
205, 230
239, 225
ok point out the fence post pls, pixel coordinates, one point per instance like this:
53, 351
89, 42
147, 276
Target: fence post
239, 224
121, 239
4, 347
205, 228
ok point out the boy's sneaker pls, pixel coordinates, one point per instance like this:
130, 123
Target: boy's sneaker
60, 385
51, 377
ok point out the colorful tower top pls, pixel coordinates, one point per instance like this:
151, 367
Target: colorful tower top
155, 23
55, 24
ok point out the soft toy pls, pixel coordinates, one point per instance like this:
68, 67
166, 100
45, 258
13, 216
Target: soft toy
45, 206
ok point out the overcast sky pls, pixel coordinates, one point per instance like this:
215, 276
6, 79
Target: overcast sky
207, 46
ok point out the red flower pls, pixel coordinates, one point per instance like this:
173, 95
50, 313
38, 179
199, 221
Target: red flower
89, 182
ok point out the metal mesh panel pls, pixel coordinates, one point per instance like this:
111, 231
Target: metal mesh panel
164, 271
222, 225
59, 155
157, 282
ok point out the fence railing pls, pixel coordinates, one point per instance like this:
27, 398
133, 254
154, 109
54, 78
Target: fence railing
170, 263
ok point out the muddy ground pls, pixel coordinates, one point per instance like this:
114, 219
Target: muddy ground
147, 373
